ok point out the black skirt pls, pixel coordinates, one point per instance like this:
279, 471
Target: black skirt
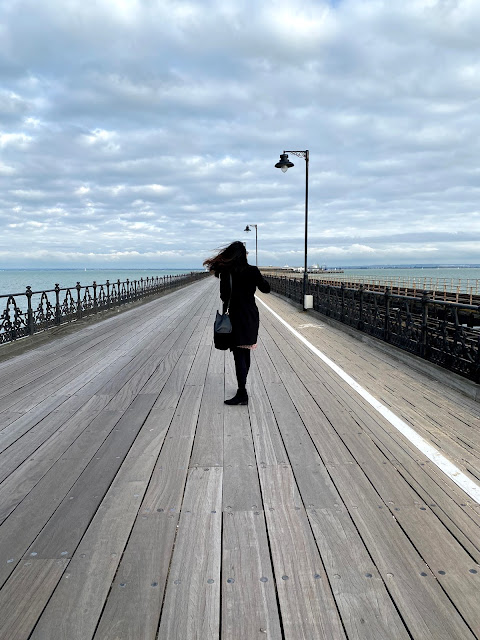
243, 310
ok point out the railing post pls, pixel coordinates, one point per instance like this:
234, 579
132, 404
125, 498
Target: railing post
360, 307
108, 294
58, 313
119, 296
31, 327
424, 335
79, 301
386, 320
342, 309
95, 301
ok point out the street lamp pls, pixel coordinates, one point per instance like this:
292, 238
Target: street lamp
247, 228
284, 164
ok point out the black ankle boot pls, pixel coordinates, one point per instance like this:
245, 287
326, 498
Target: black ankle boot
240, 397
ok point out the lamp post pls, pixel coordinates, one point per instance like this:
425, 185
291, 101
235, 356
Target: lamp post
284, 164
247, 228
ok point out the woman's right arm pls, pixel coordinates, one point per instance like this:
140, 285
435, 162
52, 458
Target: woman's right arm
261, 283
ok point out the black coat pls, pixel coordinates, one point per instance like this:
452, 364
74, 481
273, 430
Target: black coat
243, 310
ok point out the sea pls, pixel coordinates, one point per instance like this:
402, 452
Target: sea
462, 279
15, 281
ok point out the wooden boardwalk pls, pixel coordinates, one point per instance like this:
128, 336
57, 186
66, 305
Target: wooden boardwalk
135, 504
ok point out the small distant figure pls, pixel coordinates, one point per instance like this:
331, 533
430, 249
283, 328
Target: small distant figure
244, 316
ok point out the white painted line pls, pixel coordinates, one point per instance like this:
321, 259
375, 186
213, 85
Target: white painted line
464, 482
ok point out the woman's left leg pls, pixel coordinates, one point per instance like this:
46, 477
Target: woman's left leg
242, 366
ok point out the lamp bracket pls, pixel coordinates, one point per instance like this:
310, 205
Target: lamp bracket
300, 154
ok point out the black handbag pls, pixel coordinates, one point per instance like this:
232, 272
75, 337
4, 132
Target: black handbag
222, 328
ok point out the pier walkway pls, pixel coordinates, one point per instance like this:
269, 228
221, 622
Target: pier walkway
135, 504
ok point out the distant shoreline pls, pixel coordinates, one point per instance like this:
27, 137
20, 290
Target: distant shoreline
334, 268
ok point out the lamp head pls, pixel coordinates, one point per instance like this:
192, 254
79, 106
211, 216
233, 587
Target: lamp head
247, 228
284, 162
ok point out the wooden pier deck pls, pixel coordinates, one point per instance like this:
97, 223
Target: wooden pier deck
135, 504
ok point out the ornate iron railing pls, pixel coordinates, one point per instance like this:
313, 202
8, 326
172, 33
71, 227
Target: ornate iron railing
33, 311
439, 331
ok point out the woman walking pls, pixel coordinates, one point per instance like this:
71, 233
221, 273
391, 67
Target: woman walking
245, 278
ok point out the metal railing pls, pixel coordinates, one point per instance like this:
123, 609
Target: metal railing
441, 332
33, 311
450, 289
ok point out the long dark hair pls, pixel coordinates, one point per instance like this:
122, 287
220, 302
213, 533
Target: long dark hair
231, 258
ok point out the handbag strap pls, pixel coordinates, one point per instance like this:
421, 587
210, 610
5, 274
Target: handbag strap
230, 297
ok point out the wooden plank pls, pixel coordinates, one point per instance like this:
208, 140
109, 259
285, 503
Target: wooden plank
50, 437
98, 556
27, 397
45, 366
133, 606
422, 603
83, 337
311, 398
39, 365
137, 358
415, 397
208, 446
74, 608
60, 376
165, 371
67, 526
353, 401
463, 524
7, 418
376, 428
249, 604
26, 596
51, 478
365, 606
316, 486
241, 489
105, 327
27, 421
199, 368
306, 601
446, 558
283, 413
137, 372
192, 598
129, 322
269, 446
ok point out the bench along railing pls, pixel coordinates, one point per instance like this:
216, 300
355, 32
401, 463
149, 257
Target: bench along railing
439, 331
33, 311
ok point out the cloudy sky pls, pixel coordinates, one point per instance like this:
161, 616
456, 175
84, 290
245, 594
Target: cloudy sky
144, 133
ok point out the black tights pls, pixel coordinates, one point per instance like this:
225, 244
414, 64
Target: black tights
242, 365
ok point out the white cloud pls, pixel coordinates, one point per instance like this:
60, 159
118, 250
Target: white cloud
150, 130
18, 140
6, 170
